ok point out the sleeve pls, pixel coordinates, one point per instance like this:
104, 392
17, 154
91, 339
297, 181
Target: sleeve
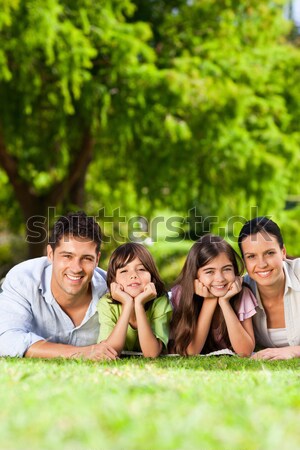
160, 317
16, 320
108, 314
247, 305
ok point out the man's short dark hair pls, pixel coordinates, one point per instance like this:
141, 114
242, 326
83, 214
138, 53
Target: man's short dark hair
76, 224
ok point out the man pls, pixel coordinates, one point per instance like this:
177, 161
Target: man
48, 304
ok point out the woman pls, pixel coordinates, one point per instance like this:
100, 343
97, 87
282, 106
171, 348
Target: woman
275, 280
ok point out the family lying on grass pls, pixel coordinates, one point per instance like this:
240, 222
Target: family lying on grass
50, 306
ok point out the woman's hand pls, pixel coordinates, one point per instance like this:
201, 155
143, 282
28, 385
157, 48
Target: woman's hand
148, 294
277, 353
234, 288
202, 290
118, 294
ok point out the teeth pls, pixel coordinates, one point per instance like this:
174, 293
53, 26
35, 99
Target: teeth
73, 278
264, 274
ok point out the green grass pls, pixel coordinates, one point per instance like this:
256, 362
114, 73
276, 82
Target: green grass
216, 403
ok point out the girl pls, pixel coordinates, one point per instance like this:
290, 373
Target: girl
212, 310
275, 279
136, 314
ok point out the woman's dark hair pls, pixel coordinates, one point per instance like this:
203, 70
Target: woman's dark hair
76, 224
126, 253
260, 225
187, 304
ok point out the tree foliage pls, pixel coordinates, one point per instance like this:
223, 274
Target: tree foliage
148, 103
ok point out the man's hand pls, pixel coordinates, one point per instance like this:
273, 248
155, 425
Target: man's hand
97, 352
148, 294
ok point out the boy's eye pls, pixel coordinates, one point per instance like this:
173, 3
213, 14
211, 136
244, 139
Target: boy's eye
123, 270
250, 256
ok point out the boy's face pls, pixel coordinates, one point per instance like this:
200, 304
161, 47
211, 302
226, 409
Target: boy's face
73, 263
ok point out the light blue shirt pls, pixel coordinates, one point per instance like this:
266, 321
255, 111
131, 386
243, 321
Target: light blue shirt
29, 313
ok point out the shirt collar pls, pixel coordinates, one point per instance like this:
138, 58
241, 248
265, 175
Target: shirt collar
291, 281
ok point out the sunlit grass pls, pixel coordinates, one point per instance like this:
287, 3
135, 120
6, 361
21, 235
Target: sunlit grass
223, 403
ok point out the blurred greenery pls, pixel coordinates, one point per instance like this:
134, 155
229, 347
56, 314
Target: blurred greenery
152, 109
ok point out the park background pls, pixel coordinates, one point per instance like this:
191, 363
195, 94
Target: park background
164, 119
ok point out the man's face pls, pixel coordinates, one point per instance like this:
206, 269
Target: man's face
73, 263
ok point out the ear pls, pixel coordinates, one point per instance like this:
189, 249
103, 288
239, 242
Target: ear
98, 258
50, 253
283, 253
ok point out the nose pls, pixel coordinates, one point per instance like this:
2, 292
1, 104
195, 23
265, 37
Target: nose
76, 265
219, 276
262, 261
133, 275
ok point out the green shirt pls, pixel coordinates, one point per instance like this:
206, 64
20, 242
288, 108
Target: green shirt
158, 315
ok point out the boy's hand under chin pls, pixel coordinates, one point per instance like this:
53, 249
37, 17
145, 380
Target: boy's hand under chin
148, 294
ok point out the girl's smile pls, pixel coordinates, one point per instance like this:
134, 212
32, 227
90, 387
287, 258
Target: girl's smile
217, 275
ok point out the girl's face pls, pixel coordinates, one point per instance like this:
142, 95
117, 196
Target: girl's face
263, 259
217, 275
133, 277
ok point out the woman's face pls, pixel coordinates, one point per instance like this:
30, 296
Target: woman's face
263, 259
217, 275
133, 277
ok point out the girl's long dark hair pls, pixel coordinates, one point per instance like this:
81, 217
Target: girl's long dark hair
187, 305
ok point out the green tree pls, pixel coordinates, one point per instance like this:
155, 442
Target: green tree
148, 103
61, 62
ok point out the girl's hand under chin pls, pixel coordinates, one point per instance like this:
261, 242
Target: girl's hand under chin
202, 290
148, 294
235, 288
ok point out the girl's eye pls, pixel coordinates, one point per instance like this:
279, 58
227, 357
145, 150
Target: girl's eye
271, 252
123, 270
209, 272
250, 256
228, 269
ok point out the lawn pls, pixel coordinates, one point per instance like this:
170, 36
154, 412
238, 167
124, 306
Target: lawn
205, 403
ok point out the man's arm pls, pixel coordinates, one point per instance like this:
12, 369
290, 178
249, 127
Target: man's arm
44, 349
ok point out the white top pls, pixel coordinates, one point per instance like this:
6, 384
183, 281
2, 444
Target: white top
291, 307
278, 336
